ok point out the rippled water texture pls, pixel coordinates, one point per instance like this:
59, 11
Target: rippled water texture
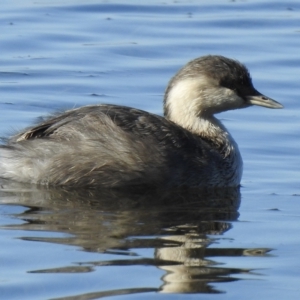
234, 244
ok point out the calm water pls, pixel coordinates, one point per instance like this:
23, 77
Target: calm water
58, 244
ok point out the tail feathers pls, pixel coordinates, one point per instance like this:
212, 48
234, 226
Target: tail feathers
16, 166
5, 162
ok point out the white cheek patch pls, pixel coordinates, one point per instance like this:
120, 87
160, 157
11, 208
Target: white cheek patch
183, 100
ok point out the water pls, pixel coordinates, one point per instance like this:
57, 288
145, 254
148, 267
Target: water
58, 244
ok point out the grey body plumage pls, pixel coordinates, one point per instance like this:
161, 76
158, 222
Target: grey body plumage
118, 146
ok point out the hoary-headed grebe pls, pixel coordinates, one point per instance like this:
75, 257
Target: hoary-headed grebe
117, 146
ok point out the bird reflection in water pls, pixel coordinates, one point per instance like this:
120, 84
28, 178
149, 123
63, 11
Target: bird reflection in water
181, 226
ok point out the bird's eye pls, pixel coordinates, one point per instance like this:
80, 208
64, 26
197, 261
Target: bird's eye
227, 84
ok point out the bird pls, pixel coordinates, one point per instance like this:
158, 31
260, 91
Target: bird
113, 146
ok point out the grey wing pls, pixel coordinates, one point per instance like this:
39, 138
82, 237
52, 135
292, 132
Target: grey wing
101, 145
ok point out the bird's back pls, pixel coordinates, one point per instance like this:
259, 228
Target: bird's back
110, 146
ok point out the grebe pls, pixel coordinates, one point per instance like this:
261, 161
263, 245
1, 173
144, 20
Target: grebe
118, 146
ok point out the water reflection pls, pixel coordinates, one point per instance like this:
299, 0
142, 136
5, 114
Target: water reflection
180, 225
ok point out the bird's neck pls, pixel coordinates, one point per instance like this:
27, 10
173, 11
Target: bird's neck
207, 127
201, 124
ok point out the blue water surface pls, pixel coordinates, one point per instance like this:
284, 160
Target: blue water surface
237, 245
